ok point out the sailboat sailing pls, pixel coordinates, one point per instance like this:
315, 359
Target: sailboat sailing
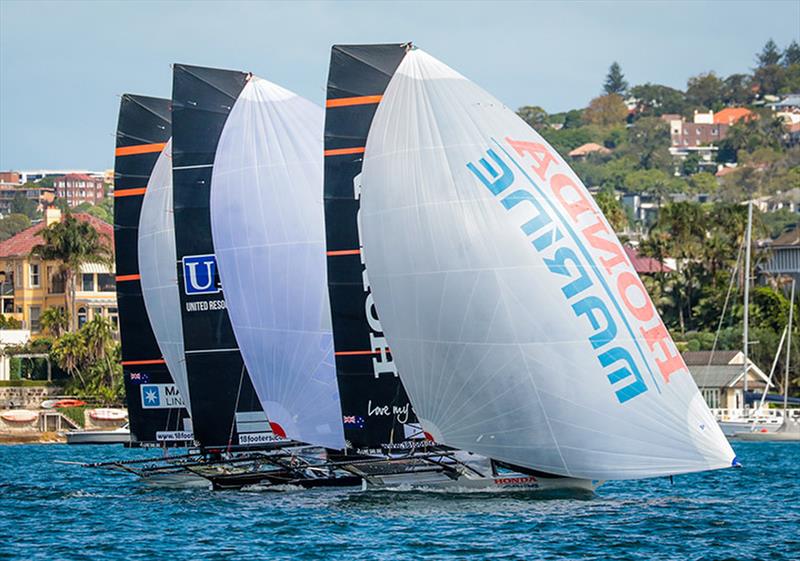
519, 326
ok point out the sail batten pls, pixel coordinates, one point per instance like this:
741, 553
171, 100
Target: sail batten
519, 327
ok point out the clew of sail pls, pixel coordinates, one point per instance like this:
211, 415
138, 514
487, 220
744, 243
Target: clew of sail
157, 260
269, 240
520, 328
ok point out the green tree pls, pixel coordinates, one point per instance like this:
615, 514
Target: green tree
606, 110
54, 321
8, 322
705, 90
612, 210
791, 55
21, 204
654, 100
72, 243
13, 224
653, 182
648, 143
70, 354
615, 80
691, 164
736, 90
703, 182
534, 115
769, 55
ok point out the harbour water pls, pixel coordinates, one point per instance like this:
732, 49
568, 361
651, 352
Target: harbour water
52, 511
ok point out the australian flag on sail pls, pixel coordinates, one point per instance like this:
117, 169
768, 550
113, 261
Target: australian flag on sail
353, 421
140, 378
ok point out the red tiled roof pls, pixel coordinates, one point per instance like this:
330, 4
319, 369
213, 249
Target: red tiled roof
644, 265
731, 115
588, 148
722, 172
23, 242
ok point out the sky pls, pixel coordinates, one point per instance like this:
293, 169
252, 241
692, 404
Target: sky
63, 65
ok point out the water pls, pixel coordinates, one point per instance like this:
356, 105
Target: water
53, 511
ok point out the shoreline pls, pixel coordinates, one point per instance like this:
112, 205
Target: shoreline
32, 438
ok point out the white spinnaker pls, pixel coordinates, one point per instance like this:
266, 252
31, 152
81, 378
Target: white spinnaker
511, 337
268, 228
157, 269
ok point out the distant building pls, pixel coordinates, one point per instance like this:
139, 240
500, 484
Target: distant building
42, 196
9, 178
782, 255
693, 136
720, 377
732, 115
643, 264
29, 285
35, 175
589, 148
78, 188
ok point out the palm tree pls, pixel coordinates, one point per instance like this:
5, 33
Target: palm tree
55, 321
69, 352
98, 337
72, 243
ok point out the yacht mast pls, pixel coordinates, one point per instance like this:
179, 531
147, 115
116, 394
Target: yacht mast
788, 355
748, 234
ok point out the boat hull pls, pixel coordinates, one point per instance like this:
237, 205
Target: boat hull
465, 483
98, 437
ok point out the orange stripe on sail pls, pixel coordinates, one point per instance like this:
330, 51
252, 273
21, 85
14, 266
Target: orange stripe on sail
348, 101
130, 192
122, 278
142, 362
140, 149
354, 353
344, 252
343, 151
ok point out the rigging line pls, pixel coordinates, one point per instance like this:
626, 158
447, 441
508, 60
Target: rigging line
704, 377
236, 408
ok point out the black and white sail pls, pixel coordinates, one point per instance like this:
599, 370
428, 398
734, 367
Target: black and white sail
155, 408
375, 408
226, 411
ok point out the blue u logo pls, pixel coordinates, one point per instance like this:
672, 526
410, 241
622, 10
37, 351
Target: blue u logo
199, 274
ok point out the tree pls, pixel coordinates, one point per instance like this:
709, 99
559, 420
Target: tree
534, 115
54, 321
606, 110
769, 55
654, 100
653, 182
12, 225
648, 143
69, 352
8, 322
703, 182
612, 210
615, 80
705, 90
792, 54
736, 90
99, 338
21, 204
691, 164
72, 243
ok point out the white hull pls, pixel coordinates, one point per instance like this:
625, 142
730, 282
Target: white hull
475, 483
177, 480
98, 437
732, 429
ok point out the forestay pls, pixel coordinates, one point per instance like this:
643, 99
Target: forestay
520, 328
267, 225
157, 258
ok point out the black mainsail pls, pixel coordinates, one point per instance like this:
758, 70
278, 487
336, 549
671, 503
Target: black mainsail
226, 410
154, 408
375, 406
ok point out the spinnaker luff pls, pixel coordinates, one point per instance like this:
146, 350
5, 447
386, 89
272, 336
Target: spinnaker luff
267, 224
157, 260
519, 326
155, 407
226, 410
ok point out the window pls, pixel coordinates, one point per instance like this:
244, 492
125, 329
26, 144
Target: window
18, 276
106, 282
711, 395
88, 282
81, 317
34, 274
113, 315
35, 312
57, 282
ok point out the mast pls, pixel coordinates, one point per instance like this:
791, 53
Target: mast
788, 355
747, 236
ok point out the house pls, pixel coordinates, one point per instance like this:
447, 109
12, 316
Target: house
78, 188
42, 196
732, 115
29, 285
782, 255
643, 264
720, 377
589, 148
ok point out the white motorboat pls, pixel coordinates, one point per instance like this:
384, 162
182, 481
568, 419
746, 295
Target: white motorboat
121, 435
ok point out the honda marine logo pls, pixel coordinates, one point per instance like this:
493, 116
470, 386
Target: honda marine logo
200, 274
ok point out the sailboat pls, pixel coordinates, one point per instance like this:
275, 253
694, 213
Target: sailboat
156, 410
518, 325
